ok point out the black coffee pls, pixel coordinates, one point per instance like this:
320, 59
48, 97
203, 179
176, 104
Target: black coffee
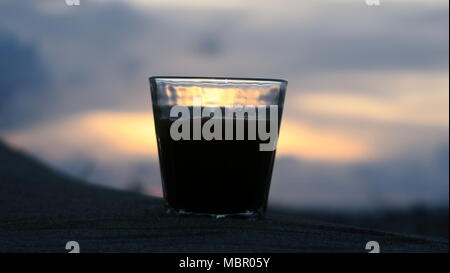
216, 176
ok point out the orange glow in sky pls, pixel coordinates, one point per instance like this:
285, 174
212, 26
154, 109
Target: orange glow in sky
106, 136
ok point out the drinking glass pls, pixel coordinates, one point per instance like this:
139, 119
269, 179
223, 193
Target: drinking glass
216, 142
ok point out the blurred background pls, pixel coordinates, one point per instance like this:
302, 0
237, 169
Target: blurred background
364, 138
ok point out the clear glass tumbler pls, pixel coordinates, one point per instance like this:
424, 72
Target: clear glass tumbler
216, 142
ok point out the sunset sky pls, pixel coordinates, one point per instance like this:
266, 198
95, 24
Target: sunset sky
366, 113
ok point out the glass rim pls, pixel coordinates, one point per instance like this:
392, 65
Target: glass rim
154, 78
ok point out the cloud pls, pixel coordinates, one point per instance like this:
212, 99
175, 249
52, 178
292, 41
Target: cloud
405, 107
328, 38
100, 54
23, 76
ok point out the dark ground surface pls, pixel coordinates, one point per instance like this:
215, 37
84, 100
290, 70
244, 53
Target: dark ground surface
40, 210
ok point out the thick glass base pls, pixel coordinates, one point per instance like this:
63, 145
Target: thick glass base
253, 215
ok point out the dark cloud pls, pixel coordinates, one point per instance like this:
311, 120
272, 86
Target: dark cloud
209, 45
348, 37
23, 75
88, 61
20, 66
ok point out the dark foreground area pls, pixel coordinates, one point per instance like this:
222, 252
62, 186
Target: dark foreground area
41, 210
